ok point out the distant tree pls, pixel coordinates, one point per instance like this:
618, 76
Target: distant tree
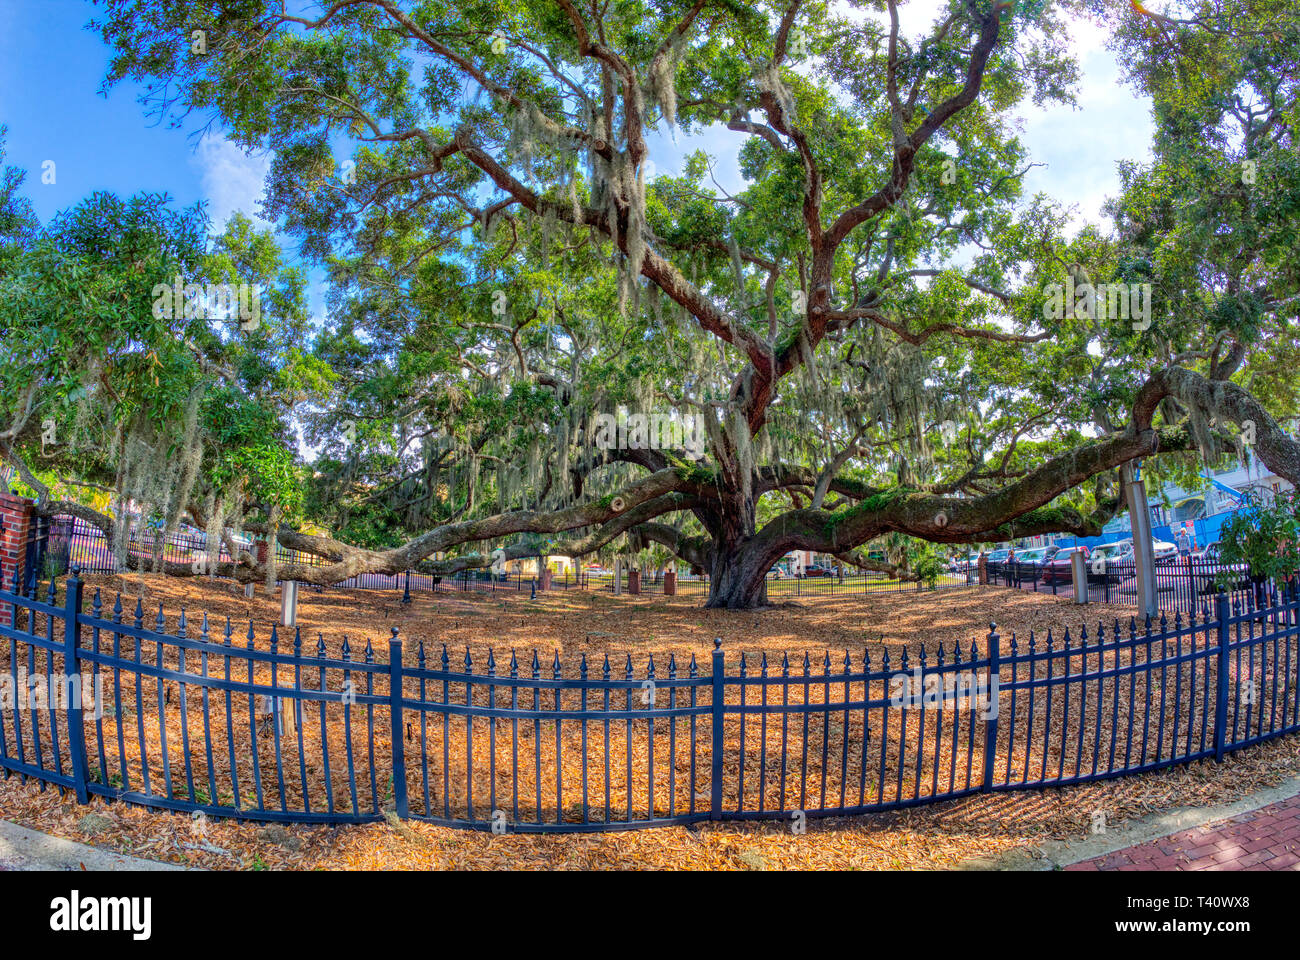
110, 393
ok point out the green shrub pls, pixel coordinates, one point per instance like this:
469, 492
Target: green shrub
927, 563
1264, 536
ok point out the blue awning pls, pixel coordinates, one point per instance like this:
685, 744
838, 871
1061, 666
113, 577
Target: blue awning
1236, 495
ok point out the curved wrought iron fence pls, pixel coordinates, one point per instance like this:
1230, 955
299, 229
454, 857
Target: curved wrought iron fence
208, 718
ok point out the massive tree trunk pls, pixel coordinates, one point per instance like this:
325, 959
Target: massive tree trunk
737, 576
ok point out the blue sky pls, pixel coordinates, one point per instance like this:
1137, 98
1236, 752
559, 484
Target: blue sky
50, 71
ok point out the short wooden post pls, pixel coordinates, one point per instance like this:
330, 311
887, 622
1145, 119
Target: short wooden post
289, 603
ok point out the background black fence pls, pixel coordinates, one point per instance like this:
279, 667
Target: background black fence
1185, 584
62, 541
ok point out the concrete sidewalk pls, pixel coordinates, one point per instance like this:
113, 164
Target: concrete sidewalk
24, 849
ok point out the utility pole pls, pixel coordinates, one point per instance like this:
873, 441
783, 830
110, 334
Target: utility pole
1135, 493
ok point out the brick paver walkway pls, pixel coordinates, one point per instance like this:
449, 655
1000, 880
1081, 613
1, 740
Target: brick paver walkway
1267, 839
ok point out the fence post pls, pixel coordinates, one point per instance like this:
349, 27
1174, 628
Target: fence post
71, 669
1221, 701
14, 533
991, 688
715, 781
400, 802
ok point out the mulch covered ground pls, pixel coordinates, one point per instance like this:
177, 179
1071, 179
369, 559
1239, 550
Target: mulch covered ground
569, 624
573, 622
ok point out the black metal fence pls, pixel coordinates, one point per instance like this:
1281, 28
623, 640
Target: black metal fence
1186, 584
779, 587
207, 719
68, 540
71, 540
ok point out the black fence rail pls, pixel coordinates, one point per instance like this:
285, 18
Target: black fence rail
1184, 585
787, 586
208, 717
57, 544
72, 540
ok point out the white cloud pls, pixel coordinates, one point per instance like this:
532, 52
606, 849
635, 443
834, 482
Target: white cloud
717, 141
231, 180
1081, 147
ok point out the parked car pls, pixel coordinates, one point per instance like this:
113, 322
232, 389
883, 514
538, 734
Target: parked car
1208, 553
1207, 584
1057, 570
816, 570
1026, 564
1110, 563
997, 556
959, 565
1034, 556
1112, 552
1165, 552
1209, 565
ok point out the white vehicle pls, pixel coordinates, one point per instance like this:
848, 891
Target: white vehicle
1164, 551
1113, 552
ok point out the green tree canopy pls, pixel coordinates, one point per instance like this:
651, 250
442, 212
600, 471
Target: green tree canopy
864, 331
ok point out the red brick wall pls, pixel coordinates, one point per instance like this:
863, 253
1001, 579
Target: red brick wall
17, 516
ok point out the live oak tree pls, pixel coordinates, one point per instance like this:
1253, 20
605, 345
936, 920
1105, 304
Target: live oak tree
108, 407
860, 327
